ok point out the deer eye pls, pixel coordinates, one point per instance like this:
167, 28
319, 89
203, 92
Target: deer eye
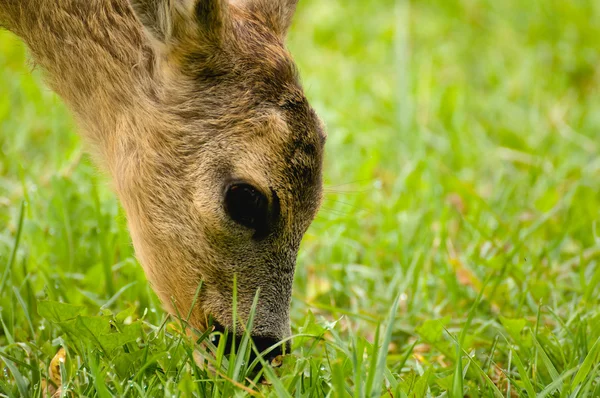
247, 206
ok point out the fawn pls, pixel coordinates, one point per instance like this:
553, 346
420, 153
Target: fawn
195, 110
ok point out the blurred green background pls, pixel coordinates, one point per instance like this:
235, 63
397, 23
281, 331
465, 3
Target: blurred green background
462, 176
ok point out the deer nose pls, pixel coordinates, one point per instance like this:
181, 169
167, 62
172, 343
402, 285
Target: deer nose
263, 344
269, 347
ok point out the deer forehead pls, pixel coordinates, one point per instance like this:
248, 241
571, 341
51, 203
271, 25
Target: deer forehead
285, 155
279, 140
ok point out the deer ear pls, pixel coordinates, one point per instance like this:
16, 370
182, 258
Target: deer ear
156, 16
211, 15
169, 20
277, 14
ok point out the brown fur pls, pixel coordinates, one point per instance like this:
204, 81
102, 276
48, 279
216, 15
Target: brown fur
178, 98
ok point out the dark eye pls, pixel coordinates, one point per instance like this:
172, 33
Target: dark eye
247, 206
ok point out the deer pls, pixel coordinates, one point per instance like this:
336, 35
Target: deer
195, 111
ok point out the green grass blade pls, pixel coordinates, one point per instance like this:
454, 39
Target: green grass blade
457, 381
20, 381
272, 378
373, 364
13, 254
383, 351
556, 384
591, 359
246, 344
523, 373
25, 309
548, 363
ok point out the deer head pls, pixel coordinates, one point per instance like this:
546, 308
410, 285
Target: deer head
195, 109
223, 177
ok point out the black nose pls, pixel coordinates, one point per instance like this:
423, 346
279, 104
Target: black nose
262, 343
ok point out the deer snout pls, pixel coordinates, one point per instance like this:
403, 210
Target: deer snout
269, 347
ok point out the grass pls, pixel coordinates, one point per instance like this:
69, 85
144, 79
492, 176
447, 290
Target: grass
456, 253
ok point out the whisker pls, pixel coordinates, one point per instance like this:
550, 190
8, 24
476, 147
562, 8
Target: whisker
338, 192
350, 205
352, 182
335, 212
321, 217
330, 191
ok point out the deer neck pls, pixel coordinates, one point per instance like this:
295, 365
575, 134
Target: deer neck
94, 55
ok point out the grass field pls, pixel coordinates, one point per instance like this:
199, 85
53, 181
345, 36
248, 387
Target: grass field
456, 253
